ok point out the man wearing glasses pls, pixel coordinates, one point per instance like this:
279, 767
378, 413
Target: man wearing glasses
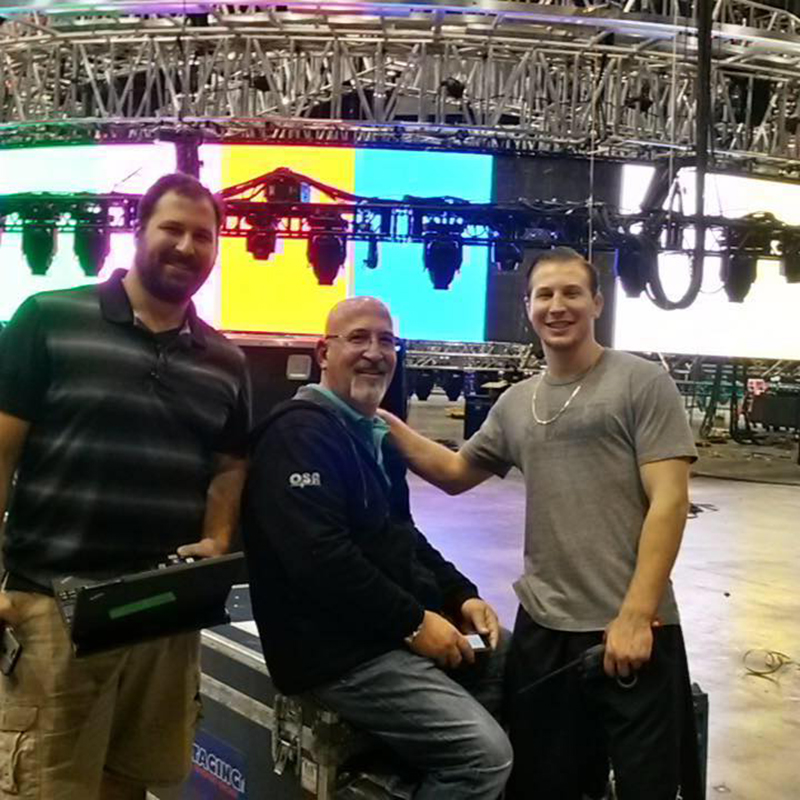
352, 603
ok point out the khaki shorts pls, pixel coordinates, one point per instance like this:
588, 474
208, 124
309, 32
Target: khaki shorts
64, 721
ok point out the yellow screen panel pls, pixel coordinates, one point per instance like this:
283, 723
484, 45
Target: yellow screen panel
280, 295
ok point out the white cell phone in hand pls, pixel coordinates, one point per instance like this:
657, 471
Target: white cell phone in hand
477, 642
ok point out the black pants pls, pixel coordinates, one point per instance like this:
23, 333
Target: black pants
567, 730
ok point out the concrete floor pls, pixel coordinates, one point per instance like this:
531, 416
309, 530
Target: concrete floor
737, 586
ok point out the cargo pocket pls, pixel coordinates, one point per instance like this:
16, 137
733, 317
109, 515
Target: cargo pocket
19, 759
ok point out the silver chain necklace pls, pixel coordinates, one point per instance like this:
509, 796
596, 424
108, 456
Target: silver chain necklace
569, 399
560, 411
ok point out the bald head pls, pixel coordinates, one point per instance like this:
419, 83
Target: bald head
345, 311
358, 353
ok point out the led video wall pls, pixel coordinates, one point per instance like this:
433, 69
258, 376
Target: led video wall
89, 168
281, 294
763, 326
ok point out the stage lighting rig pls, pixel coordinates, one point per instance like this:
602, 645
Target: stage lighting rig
261, 244
92, 218
277, 206
327, 252
443, 252
286, 189
673, 235
745, 243
636, 262
262, 235
327, 245
738, 272
541, 237
453, 88
39, 246
790, 259
91, 247
371, 261
754, 234
282, 186
92, 237
506, 256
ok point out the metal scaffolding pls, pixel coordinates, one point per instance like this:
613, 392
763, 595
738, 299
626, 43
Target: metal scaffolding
471, 356
612, 79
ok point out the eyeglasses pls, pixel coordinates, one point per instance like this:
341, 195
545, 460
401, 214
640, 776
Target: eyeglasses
362, 339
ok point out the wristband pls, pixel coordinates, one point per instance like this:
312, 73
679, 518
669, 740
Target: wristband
409, 640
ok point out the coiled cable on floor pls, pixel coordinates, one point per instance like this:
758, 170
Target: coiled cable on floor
772, 662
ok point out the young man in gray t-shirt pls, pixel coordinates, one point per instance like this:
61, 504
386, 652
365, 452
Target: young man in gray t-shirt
603, 442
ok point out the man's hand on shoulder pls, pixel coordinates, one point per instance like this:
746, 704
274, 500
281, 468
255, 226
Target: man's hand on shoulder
441, 640
629, 644
477, 616
433, 462
205, 548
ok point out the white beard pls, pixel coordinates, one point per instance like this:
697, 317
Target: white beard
368, 391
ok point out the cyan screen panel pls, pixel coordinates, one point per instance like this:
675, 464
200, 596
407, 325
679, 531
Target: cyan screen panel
400, 280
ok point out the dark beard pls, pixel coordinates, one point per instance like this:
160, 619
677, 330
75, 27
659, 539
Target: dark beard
151, 268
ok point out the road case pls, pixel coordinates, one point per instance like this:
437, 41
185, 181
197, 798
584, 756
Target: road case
254, 742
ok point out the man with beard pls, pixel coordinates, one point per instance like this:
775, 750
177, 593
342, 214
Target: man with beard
125, 418
352, 603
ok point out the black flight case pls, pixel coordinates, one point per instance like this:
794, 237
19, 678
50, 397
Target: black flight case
255, 743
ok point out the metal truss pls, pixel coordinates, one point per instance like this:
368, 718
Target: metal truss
610, 79
115, 213
276, 206
278, 203
521, 358
470, 356
426, 355
698, 369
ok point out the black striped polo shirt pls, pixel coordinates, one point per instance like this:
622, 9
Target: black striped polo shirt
125, 426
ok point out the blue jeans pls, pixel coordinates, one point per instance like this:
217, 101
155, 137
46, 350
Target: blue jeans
438, 722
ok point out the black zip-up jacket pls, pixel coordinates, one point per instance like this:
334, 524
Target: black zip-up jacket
339, 574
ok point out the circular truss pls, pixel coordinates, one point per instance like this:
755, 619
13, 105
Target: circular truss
612, 79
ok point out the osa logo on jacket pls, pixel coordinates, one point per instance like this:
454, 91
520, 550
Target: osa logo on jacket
299, 480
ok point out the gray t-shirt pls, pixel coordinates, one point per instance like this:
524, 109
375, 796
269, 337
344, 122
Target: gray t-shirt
585, 502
